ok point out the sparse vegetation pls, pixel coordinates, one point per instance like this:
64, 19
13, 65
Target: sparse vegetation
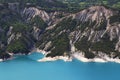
22, 37
18, 46
115, 18
61, 44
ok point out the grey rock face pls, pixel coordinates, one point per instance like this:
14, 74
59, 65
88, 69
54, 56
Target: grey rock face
89, 26
31, 12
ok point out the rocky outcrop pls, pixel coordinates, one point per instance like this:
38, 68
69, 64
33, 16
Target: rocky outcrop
31, 12
93, 31
92, 28
95, 13
98, 14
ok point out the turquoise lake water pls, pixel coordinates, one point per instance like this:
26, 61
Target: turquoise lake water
27, 68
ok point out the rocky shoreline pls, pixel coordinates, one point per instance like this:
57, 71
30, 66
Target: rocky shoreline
1, 60
64, 58
104, 59
76, 55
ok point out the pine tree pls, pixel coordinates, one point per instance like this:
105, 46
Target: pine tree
94, 2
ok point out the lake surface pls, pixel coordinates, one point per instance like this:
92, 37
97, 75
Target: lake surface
27, 68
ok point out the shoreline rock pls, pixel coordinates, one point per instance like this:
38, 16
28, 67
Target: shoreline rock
64, 58
81, 57
77, 56
45, 59
1, 60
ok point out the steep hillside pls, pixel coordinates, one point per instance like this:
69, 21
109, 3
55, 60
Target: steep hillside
95, 29
21, 28
92, 32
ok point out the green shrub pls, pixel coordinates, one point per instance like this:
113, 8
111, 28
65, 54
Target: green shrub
20, 27
61, 44
102, 26
83, 44
115, 18
66, 24
89, 55
38, 22
18, 46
